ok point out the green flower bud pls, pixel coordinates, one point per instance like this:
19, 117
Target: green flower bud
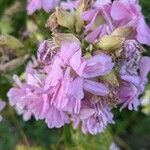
110, 42
124, 32
64, 18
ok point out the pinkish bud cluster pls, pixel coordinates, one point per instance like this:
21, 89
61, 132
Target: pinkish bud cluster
92, 64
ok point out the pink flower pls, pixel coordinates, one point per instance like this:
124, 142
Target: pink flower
72, 81
129, 14
18, 97
47, 5
66, 78
96, 66
128, 94
94, 117
95, 28
28, 99
2, 105
46, 51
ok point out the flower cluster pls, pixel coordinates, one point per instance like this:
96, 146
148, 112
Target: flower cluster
92, 63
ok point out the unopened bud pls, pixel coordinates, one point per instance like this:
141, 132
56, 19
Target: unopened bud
65, 19
61, 37
10, 42
124, 32
111, 78
82, 6
87, 55
110, 42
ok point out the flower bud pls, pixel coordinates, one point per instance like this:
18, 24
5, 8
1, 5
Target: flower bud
110, 42
65, 19
87, 55
124, 32
10, 42
98, 21
82, 6
111, 78
61, 37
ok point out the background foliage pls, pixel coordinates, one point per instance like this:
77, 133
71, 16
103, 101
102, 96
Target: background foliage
131, 131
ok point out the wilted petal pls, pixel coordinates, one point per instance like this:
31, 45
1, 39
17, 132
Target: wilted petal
128, 94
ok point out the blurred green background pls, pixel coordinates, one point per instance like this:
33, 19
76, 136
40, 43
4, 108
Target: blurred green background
131, 131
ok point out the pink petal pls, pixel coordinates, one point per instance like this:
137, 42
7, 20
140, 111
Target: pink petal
55, 74
144, 67
132, 79
56, 118
120, 11
98, 65
100, 3
143, 32
33, 5
48, 5
86, 113
95, 88
93, 35
68, 50
89, 14
77, 62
